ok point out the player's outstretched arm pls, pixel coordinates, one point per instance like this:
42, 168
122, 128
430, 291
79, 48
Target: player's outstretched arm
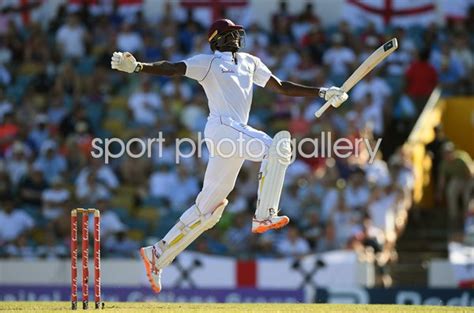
297, 90
291, 89
126, 62
335, 94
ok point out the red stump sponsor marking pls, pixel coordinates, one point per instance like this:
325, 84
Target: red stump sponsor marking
97, 258
85, 258
74, 259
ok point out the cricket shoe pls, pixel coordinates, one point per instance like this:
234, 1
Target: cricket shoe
272, 222
149, 256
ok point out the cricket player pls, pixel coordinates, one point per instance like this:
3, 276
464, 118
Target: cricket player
227, 77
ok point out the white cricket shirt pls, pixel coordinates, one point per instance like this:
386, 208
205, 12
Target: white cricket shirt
228, 86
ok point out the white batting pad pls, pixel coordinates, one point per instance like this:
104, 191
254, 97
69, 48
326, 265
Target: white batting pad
272, 176
190, 226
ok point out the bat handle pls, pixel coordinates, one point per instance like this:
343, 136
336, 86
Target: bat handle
323, 108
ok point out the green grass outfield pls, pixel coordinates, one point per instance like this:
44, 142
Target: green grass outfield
228, 307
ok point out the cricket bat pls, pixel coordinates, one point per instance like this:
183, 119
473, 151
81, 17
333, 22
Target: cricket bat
375, 58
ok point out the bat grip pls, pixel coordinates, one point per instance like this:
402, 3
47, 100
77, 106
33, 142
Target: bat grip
323, 109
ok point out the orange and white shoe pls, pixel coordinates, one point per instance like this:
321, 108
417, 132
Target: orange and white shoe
273, 222
149, 256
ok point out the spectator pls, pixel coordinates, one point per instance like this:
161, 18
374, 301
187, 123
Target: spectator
120, 245
40, 132
449, 67
162, 182
5, 104
55, 199
373, 238
255, 36
369, 115
398, 61
5, 75
50, 161
281, 26
380, 94
357, 192
282, 15
237, 203
17, 164
421, 79
312, 228
5, 184
330, 198
151, 47
145, 105
306, 21
14, 221
293, 245
314, 42
401, 168
343, 220
91, 189
32, 187
188, 188
382, 209
212, 243
189, 30
103, 172
5, 58
8, 131
455, 176
329, 241
113, 230
177, 89
306, 69
462, 52
71, 38
377, 172
135, 171
81, 140
339, 59
238, 236
129, 40
435, 150
291, 195
193, 116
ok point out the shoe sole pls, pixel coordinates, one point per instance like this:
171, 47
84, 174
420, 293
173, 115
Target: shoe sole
154, 287
261, 229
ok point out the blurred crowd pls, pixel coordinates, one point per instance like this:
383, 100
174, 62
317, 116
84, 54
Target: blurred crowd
57, 93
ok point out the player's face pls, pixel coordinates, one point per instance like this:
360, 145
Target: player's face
234, 39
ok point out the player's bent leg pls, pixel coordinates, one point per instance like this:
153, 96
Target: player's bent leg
190, 226
271, 180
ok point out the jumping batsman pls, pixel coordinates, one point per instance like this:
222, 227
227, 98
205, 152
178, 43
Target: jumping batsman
227, 77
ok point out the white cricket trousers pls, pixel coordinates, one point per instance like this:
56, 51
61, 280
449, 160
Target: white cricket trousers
230, 143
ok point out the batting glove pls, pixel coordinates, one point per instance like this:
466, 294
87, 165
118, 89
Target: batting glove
339, 99
125, 62
328, 93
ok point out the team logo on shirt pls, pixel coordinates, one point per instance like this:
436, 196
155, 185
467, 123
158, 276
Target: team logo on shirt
226, 70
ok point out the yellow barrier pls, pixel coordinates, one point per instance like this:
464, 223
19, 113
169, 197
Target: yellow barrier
458, 122
457, 117
422, 134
